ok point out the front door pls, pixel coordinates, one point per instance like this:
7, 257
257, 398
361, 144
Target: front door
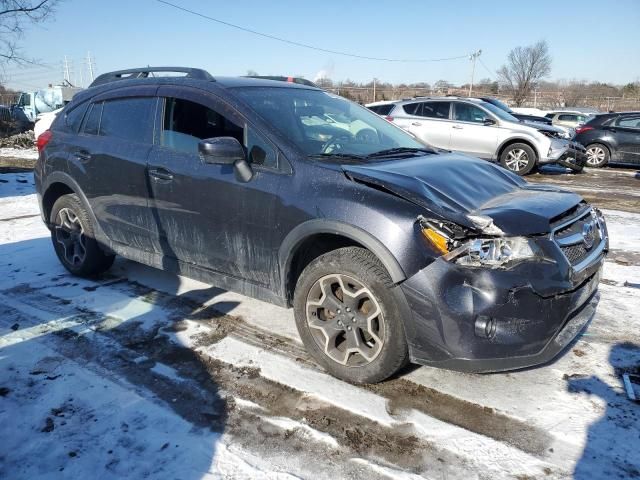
627, 132
205, 216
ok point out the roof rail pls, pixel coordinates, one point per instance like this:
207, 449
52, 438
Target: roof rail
145, 72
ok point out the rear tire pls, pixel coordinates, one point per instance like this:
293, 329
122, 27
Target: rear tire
73, 238
598, 155
518, 158
350, 316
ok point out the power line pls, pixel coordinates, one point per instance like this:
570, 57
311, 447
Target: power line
304, 45
485, 67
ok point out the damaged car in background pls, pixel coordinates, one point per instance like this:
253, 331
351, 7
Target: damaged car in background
484, 130
388, 251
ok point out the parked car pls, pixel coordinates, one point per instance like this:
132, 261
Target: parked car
43, 122
611, 138
481, 129
519, 116
568, 119
382, 108
282, 78
387, 250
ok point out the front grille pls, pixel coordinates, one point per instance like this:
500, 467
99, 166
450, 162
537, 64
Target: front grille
575, 253
573, 238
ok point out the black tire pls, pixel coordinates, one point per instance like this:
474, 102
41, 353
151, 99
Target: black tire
88, 259
524, 164
598, 155
363, 268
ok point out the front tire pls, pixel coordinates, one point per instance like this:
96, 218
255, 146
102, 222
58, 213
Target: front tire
518, 158
598, 155
73, 238
350, 316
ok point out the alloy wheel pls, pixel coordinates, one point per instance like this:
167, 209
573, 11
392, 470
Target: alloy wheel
516, 160
70, 234
345, 320
595, 155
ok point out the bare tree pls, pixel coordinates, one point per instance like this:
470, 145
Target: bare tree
15, 17
524, 68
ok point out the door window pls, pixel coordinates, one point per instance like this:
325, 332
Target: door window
92, 122
567, 118
128, 119
628, 122
435, 110
185, 123
466, 112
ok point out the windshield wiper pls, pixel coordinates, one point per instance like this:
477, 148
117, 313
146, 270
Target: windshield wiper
398, 150
336, 155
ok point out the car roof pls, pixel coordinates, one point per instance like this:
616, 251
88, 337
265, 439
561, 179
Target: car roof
447, 98
193, 78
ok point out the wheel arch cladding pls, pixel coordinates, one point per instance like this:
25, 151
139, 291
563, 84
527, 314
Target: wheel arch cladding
317, 237
53, 192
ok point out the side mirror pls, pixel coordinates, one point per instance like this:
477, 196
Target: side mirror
221, 150
226, 151
489, 121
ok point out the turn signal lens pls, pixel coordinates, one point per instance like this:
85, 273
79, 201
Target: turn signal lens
439, 242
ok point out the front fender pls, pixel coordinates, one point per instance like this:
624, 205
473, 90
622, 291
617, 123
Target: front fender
319, 226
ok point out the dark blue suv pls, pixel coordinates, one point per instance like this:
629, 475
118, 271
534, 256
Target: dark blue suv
387, 249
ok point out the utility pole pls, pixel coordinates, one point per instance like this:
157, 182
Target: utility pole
374, 89
473, 58
90, 64
67, 74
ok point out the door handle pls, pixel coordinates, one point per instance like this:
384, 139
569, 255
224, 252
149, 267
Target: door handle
161, 174
83, 155
416, 124
458, 127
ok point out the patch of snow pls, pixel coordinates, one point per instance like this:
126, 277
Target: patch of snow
25, 153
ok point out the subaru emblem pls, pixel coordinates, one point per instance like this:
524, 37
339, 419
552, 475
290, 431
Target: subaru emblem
588, 235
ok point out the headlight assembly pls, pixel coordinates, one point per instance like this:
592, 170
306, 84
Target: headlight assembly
455, 246
494, 251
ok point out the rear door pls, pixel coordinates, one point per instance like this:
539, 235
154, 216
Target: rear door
205, 216
430, 123
469, 134
626, 129
109, 157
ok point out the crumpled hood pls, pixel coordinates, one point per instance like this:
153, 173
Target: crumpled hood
453, 186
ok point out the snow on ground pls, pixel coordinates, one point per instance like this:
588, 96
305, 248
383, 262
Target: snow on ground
24, 153
145, 374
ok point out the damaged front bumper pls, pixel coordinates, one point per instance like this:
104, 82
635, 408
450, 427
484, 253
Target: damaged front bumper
568, 154
487, 320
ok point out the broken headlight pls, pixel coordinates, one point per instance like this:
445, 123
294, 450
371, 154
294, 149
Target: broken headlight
494, 251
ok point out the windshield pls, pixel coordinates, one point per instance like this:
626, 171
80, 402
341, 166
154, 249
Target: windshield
500, 113
321, 123
499, 104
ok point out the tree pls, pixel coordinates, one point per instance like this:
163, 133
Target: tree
15, 16
252, 73
441, 86
524, 68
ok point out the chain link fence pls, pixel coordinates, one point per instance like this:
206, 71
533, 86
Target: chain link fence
542, 100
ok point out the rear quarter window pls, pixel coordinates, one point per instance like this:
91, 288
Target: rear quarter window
382, 109
411, 108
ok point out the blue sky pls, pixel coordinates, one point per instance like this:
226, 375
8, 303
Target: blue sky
591, 40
